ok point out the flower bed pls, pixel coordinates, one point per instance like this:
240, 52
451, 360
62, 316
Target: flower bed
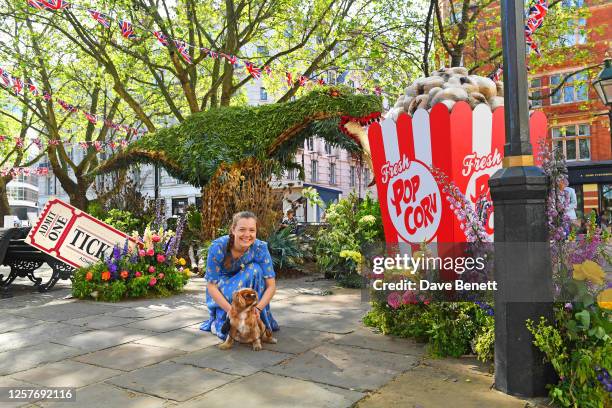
148, 271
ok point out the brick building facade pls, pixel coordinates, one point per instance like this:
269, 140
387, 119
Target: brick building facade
578, 121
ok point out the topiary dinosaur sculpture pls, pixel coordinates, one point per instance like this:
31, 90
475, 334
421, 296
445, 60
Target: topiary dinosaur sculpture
194, 150
231, 151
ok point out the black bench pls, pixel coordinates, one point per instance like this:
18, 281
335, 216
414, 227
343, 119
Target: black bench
24, 260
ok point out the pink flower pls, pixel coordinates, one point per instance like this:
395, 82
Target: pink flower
138, 274
141, 253
161, 258
150, 252
409, 297
156, 238
151, 269
152, 282
394, 300
160, 276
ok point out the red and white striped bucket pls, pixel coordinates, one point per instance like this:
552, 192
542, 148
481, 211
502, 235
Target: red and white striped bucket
467, 145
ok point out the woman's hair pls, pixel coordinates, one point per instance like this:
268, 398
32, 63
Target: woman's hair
227, 261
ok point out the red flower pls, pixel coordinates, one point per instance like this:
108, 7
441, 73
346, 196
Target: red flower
141, 253
106, 275
138, 274
160, 276
124, 274
88, 276
150, 252
161, 258
152, 282
151, 269
156, 238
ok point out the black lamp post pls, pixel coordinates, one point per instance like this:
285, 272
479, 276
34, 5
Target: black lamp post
603, 86
522, 255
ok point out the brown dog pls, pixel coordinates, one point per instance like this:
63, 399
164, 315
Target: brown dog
246, 326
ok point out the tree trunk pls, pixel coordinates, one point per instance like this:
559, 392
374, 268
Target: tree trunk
5, 209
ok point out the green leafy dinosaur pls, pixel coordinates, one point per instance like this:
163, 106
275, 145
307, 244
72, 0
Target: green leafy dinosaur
193, 150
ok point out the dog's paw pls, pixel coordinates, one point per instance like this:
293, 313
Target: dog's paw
225, 346
256, 347
272, 340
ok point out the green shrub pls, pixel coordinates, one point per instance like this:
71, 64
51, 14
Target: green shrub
285, 250
352, 225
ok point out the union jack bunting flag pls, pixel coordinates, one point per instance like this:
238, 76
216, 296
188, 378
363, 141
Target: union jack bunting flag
17, 85
321, 81
33, 89
213, 54
231, 58
39, 5
496, 76
303, 79
377, 90
55, 4
127, 31
181, 46
111, 124
267, 69
5, 78
54, 142
100, 18
112, 145
98, 146
91, 117
66, 106
83, 145
161, 38
38, 142
289, 79
124, 128
254, 71
46, 96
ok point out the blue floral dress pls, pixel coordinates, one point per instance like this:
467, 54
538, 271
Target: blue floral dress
248, 271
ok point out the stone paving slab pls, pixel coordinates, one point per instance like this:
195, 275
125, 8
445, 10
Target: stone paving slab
136, 312
9, 322
347, 367
295, 341
185, 339
366, 338
101, 321
128, 357
40, 333
240, 360
12, 383
101, 339
170, 321
66, 373
64, 311
339, 322
13, 361
107, 396
173, 381
264, 390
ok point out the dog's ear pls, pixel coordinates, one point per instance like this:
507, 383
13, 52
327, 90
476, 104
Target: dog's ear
235, 299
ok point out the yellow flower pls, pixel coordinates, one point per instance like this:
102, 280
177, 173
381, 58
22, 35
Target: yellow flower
182, 261
186, 271
589, 270
604, 299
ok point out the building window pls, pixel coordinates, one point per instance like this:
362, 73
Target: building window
352, 179
332, 173
573, 90
572, 3
331, 77
366, 177
310, 144
574, 141
328, 149
179, 205
263, 94
50, 185
535, 92
313, 170
291, 174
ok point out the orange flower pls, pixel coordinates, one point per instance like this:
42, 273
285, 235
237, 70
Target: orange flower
105, 275
88, 276
124, 274
604, 300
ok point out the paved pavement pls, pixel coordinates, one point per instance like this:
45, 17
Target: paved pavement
151, 353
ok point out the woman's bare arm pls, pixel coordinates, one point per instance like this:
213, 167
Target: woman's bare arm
268, 293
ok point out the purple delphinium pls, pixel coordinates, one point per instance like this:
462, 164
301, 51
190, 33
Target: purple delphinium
175, 242
125, 248
158, 214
